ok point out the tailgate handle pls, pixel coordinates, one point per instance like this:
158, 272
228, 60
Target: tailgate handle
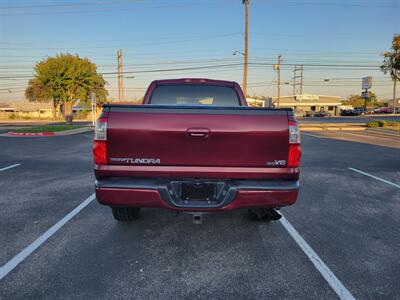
198, 132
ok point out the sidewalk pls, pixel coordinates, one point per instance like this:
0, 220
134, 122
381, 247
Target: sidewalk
333, 127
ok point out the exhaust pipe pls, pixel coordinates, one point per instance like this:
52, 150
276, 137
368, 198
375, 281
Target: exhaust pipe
275, 215
264, 214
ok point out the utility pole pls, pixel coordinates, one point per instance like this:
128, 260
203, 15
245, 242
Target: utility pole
298, 74
94, 106
394, 95
246, 46
277, 68
121, 95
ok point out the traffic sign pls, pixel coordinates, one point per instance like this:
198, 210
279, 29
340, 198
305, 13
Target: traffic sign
365, 94
366, 83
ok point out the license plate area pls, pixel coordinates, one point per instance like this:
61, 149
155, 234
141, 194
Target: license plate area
198, 191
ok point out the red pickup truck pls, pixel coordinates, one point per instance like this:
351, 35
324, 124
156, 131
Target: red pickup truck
194, 145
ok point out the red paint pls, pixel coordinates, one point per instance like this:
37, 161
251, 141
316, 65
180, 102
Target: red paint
152, 199
231, 140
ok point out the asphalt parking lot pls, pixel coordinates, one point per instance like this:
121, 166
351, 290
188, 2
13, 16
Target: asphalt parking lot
350, 219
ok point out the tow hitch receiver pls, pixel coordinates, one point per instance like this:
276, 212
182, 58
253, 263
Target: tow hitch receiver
198, 218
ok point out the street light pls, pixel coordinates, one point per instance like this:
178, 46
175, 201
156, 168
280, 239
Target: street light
238, 52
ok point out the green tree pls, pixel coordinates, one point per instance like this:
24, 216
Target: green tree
357, 101
64, 79
37, 92
391, 64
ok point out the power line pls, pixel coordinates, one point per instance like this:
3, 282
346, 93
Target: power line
64, 5
344, 4
128, 45
105, 10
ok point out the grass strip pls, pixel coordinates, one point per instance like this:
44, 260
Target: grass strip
47, 128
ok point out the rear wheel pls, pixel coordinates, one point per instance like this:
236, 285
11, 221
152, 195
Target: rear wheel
126, 214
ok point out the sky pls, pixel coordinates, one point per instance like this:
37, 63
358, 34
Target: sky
337, 42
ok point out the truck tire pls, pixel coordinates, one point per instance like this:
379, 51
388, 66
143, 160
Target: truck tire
125, 214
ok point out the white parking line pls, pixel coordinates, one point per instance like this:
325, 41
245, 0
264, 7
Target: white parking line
9, 167
16, 260
332, 280
377, 178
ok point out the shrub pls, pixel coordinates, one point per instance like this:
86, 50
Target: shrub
392, 123
373, 124
381, 123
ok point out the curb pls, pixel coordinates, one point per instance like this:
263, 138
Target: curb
17, 134
47, 134
332, 128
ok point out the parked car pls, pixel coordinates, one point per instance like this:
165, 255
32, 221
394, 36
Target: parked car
195, 146
322, 114
348, 112
359, 111
299, 113
310, 113
369, 111
383, 110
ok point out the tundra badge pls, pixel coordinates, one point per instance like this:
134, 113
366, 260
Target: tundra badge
130, 160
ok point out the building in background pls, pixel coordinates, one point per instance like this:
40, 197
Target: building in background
309, 102
27, 110
257, 102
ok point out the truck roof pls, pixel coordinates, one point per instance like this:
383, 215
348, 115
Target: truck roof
195, 81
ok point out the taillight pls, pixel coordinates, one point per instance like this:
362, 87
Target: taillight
294, 154
100, 141
100, 152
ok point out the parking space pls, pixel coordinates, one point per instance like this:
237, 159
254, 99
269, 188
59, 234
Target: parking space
370, 136
350, 220
54, 175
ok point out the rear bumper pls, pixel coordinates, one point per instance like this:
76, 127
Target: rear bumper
156, 193
264, 173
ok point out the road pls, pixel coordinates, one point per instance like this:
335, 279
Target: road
350, 119
349, 219
372, 136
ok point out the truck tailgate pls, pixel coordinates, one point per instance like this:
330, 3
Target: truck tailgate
171, 136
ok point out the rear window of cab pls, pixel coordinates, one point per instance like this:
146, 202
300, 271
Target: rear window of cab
200, 95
